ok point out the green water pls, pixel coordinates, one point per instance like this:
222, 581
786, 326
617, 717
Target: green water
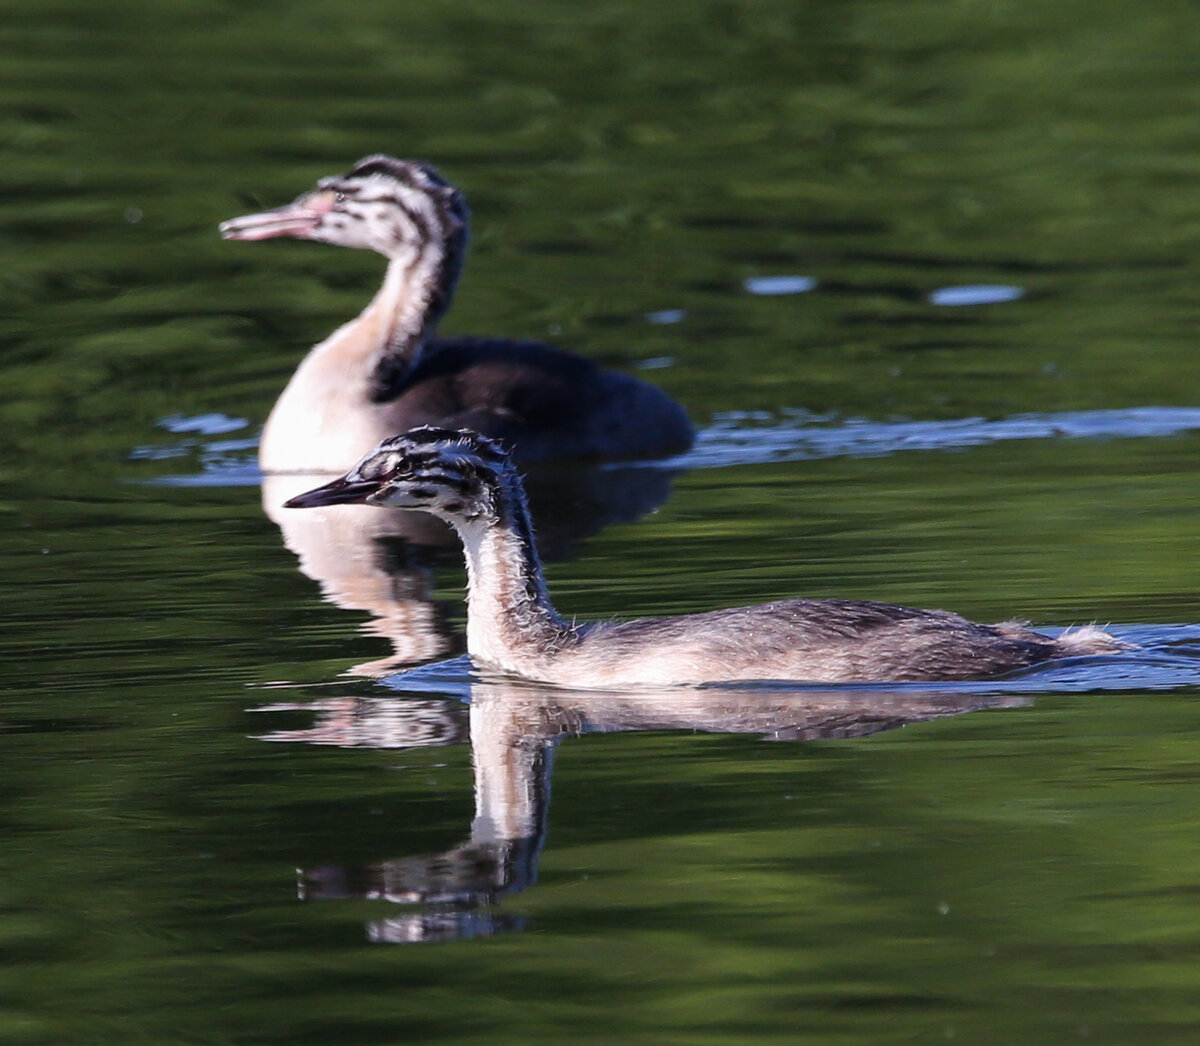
181, 865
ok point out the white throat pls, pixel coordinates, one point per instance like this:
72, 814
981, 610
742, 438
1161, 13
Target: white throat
510, 619
325, 416
490, 580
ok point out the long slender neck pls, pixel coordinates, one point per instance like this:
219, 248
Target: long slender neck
323, 419
404, 314
510, 619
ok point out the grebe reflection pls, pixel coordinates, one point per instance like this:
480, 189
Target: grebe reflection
514, 730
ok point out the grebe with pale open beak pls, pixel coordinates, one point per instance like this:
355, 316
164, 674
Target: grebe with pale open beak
386, 370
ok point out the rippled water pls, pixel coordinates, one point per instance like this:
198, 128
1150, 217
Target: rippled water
922, 274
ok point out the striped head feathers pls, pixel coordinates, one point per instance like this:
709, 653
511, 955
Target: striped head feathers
453, 474
381, 204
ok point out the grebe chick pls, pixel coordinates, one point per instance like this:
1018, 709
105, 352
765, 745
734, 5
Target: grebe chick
512, 626
385, 371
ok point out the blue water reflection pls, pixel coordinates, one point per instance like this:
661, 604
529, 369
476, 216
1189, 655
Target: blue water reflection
739, 438
769, 286
977, 294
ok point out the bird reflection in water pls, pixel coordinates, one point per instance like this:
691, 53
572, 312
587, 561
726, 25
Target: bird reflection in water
514, 729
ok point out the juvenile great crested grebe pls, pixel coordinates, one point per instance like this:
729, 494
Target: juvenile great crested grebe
468, 481
385, 371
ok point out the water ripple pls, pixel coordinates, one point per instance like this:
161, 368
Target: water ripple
748, 439
743, 438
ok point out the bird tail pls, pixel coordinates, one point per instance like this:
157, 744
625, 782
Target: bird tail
1090, 639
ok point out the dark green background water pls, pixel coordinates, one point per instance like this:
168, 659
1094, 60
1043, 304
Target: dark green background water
1022, 874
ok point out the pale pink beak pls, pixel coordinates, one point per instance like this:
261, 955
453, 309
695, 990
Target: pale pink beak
289, 220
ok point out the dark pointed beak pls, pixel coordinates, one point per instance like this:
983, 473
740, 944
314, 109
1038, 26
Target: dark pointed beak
339, 492
290, 220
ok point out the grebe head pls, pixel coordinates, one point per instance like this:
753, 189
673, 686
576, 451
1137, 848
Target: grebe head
454, 474
390, 206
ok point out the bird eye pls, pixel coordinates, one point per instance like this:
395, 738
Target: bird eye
393, 467
339, 198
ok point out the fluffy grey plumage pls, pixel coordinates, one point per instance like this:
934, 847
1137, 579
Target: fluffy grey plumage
466, 480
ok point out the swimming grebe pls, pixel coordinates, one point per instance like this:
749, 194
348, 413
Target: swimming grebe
385, 371
512, 626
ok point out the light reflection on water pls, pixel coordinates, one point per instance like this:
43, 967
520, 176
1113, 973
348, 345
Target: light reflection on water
979, 294
736, 438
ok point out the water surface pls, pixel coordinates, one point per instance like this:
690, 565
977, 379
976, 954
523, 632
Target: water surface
922, 275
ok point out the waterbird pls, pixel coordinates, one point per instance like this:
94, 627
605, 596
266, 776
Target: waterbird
387, 371
512, 627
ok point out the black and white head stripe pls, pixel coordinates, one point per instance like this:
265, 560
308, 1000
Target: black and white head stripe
433, 439
455, 458
456, 474
373, 177
412, 173
389, 205
398, 208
